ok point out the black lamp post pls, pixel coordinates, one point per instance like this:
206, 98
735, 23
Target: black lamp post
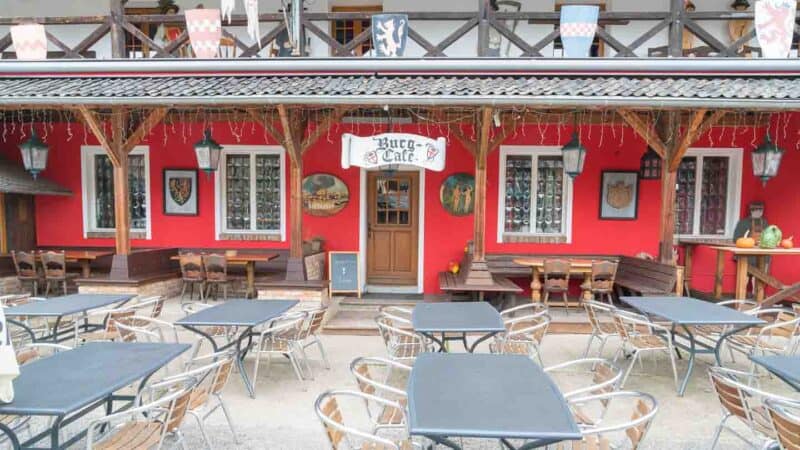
767, 160
208, 152
650, 165
34, 154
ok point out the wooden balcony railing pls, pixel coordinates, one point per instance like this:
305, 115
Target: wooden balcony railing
119, 28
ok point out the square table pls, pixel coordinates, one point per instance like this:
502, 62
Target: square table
686, 312
59, 307
70, 384
429, 319
246, 314
486, 396
787, 368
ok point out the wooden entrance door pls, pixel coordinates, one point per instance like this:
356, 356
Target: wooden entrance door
392, 228
19, 224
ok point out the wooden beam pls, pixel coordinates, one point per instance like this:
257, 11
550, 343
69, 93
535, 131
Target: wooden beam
645, 129
668, 129
323, 126
85, 115
294, 124
479, 231
122, 211
153, 118
268, 126
289, 138
508, 128
455, 131
696, 127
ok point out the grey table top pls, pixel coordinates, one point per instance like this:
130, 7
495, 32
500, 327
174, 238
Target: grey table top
456, 317
786, 368
486, 396
690, 311
239, 312
66, 305
70, 380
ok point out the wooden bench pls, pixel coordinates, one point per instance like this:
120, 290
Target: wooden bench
451, 283
640, 276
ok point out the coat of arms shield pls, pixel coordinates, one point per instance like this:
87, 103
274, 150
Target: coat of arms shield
180, 189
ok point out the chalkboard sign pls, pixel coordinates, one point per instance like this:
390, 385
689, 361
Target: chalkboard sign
343, 272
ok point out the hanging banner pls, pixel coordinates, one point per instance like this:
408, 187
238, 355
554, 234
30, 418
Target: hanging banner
774, 21
389, 34
9, 368
578, 26
251, 10
227, 7
392, 149
30, 41
205, 30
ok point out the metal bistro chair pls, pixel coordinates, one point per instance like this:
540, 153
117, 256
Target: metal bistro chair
25, 265
640, 335
601, 330
525, 310
602, 279
55, 271
216, 268
604, 378
192, 273
146, 329
216, 332
523, 336
160, 410
741, 401
342, 436
785, 418
309, 335
401, 345
556, 279
394, 376
398, 314
778, 337
111, 317
281, 337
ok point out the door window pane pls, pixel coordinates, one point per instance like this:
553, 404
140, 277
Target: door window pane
549, 194
237, 191
706, 177
713, 206
104, 192
268, 192
684, 197
253, 192
518, 194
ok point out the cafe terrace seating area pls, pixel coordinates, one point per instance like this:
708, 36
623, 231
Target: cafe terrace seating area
156, 372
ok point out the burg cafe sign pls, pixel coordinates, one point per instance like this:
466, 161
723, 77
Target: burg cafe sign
393, 149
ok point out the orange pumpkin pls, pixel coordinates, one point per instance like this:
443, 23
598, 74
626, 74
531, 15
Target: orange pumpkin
746, 241
788, 242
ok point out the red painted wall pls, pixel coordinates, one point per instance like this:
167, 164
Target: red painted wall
59, 219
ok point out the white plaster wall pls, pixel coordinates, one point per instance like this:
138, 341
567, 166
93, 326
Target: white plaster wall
434, 31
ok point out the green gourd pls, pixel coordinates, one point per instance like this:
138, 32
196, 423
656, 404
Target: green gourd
771, 237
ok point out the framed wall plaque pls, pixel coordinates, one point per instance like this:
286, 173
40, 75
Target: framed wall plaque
619, 195
180, 192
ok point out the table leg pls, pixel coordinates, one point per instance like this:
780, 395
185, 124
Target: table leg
471, 348
240, 355
12, 437
536, 286
250, 267
718, 274
761, 263
689, 369
86, 270
741, 278
687, 265
586, 287
440, 440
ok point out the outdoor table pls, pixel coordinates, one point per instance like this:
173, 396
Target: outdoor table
787, 368
577, 266
744, 271
239, 313
82, 257
689, 245
686, 312
486, 396
59, 307
73, 383
429, 319
248, 260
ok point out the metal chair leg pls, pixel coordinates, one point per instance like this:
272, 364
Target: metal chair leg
201, 425
628, 371
322, 351
589, 344
228, 418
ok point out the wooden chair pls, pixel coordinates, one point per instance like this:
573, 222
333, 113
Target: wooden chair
556, 279
785, 418
163, 407
216, 268
342, 436
192, 273
25, 265
602, 279
55, 270
385, 379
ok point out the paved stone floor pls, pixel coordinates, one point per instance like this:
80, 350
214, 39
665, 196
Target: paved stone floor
282, 415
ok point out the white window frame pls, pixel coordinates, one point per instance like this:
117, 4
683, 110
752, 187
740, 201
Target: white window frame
734, 194
88, 189
535, 152
221, 191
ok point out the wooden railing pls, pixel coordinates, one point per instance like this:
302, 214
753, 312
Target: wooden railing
117, 27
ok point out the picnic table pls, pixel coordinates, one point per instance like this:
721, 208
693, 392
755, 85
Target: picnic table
60, 307
71, 384
743, 269
577, 266
486, 396
445, 319
787, 368
248, 260
241, 314
686, 312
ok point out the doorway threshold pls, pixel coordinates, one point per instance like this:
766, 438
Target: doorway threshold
392, 289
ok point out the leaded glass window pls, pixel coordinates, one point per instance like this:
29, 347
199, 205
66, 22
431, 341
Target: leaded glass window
252, 187
104, 216
534, 197
704, 199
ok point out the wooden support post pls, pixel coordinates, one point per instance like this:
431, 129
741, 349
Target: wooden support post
668, 130
117, 11
477, 269
294, 124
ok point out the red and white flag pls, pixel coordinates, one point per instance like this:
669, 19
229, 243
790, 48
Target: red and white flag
30, 41
205, 30
774, 20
